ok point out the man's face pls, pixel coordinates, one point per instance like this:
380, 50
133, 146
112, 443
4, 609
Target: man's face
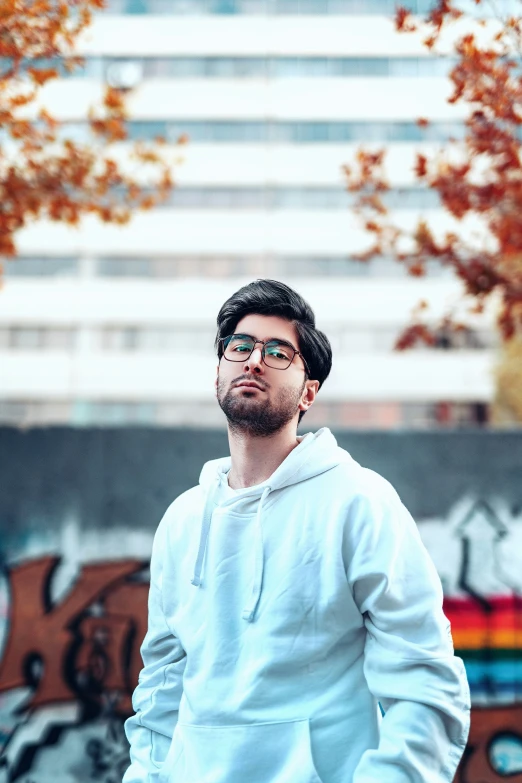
283, 393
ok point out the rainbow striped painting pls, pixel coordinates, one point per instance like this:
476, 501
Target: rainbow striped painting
487, 635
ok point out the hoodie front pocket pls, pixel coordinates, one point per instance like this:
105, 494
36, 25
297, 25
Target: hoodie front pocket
277, 752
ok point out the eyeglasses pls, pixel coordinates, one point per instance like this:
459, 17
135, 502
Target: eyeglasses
275, 353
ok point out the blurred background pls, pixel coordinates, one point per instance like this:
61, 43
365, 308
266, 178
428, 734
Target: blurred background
275, 98
107, 407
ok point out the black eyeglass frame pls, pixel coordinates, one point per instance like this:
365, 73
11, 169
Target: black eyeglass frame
264, 343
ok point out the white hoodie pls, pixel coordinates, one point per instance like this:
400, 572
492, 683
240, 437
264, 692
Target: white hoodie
280, 616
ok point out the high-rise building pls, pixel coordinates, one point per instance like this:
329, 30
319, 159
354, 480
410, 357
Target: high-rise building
116, 325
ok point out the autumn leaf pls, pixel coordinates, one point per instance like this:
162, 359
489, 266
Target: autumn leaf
416, 334
484, 184
42, 75
421, 168
114, 101
403, 20
417, 269
52, 176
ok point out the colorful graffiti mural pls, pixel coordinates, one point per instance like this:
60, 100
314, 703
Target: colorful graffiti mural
71, 627
478, 553
68, 668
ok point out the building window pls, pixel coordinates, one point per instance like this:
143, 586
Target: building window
25, 338
33, 338
127, 72
26, 266
269, 265
123, 267
350, 415
298, 132
116, 338
274, 7
461, 414
33, 413
109, 413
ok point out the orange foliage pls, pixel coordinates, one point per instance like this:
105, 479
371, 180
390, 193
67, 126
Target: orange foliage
43, 174
487, 77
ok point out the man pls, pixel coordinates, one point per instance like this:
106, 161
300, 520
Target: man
291, 601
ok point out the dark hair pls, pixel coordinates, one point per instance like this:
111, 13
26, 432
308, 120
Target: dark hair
271, 297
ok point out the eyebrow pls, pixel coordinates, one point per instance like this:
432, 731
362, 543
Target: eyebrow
266, 339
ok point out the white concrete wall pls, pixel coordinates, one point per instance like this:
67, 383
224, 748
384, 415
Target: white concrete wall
348, 308
312, 98
250, 36
170, 231
380, 377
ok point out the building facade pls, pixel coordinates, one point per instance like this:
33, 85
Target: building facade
107, 325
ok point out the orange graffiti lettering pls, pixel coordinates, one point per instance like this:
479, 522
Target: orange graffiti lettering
53, 632
488, 723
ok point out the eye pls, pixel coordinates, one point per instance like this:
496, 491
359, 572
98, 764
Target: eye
239, 344
279, 351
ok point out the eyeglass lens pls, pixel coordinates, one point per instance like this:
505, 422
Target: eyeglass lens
239, 346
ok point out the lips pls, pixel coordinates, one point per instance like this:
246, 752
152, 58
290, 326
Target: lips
248, 384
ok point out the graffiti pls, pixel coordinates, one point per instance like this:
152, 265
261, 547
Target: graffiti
96, 750
494, 750
478, 553
109, 756
74, 662
70, 658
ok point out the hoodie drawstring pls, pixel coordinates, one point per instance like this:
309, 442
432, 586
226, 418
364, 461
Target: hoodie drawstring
259, 563
205, 527
259, 558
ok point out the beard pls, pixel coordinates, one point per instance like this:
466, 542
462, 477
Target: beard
248, 413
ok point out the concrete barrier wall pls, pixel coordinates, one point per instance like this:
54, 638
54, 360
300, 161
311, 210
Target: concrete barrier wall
78, 510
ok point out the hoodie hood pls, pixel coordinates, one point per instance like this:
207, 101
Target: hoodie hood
316, 453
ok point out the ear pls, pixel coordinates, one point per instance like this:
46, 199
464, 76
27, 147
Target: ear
309, 392
216, 381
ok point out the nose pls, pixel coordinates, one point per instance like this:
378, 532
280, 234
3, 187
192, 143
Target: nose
254, 361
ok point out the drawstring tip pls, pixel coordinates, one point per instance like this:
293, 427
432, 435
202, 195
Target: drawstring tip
248, 615
196, 581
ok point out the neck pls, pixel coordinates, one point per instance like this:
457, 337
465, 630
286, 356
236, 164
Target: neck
255, 458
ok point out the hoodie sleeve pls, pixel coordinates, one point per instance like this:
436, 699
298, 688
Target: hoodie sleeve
158, 693
409, 662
